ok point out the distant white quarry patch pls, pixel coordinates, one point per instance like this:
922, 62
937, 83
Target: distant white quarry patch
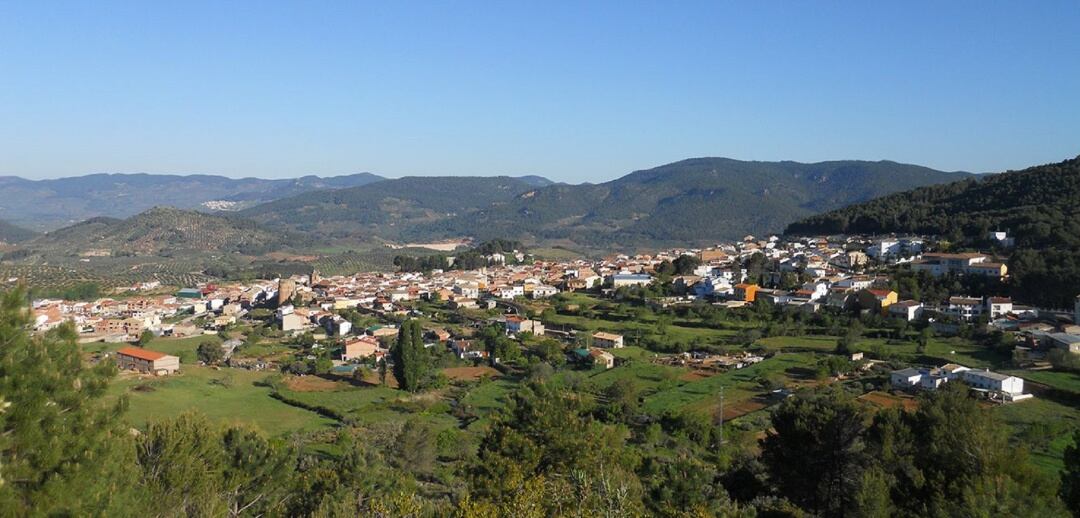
224, 205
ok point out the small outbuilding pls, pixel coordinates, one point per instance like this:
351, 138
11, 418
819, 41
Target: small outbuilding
145, 360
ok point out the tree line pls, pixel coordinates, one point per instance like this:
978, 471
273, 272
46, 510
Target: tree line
471, 259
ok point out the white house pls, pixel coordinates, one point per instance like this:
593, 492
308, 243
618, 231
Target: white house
906, 309
509, 292
607, 340
542, 291
884, 248
711, 286
858, 282
931, 379
905, 378
964, 308
817, 289
340, 327
467, 291
994, 381
998, 306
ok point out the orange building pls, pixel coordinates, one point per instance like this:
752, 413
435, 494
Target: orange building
746, 292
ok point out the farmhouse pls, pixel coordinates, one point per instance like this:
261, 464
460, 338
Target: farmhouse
145, 360
607, 340
994, 382
602, 358
1010, 386
596, 356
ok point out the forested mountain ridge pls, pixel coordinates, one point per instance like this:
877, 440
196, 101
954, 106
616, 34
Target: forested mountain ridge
699, 200
390, 209
1038, 206
54, 203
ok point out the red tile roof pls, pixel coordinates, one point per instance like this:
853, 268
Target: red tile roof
142, 354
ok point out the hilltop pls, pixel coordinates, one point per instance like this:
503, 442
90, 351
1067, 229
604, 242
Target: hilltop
163, 231
1038, 206
55, 203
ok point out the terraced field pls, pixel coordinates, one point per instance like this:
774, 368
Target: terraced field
48, 277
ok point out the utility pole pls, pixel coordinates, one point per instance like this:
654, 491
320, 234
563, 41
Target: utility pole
721, 415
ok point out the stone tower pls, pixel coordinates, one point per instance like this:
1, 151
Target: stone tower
286, 289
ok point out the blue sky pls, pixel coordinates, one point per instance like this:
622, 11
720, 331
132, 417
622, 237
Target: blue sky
575, 91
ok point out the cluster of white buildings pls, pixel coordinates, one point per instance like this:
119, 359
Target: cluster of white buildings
1009, 388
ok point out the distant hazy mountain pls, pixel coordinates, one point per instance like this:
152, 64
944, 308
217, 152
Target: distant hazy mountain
163, 231
699, 200
391, 208
12, 234
49, 204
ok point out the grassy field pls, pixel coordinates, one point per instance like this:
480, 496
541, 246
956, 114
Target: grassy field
1068, 381
739, 385
938, 351
649, 377
1043, 426
196, 388
556, 254
677, 331
632, 353
185, 348
489, 397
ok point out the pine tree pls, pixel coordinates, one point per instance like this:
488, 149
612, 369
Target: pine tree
815, 450
1070, 476
63, 451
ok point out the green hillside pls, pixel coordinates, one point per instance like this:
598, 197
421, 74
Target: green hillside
1039, 206
164, 231
699, 200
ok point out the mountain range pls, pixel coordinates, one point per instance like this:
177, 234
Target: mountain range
695, 201
49, 204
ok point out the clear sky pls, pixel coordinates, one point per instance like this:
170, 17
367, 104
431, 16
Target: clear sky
575, 91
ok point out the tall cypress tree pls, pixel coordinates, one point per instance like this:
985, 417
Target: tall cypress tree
410, 359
